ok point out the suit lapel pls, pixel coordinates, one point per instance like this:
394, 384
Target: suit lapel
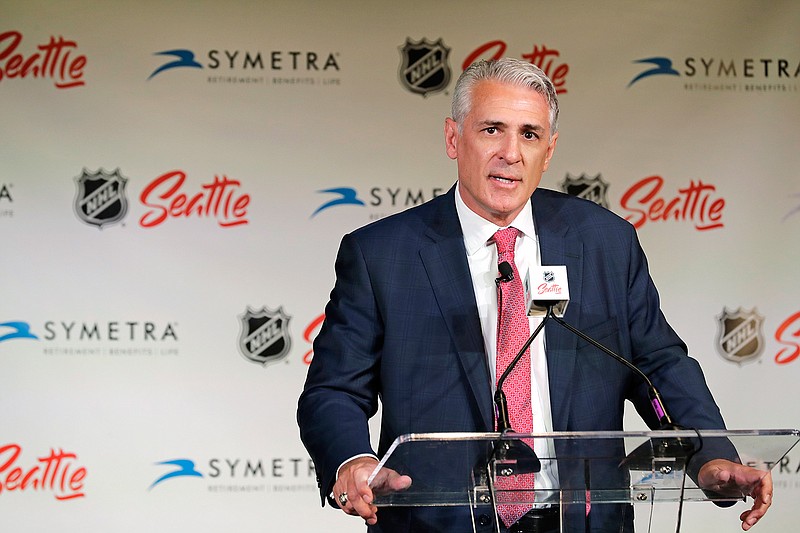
557, 248
445, 261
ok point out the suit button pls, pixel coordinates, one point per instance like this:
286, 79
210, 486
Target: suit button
484, 520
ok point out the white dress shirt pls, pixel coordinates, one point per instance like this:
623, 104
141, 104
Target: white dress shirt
482, 259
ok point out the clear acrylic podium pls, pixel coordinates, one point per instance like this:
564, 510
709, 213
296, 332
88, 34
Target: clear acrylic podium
652, 473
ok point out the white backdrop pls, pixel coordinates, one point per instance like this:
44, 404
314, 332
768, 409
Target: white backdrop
121, 343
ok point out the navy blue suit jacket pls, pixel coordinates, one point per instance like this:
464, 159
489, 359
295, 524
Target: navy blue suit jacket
402, 325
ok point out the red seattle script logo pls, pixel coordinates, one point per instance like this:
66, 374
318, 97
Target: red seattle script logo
55, 472
541, 57
544, 288
693, 203
218, 199
788, 334
53, 61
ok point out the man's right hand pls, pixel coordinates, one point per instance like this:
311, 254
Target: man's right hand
352, 481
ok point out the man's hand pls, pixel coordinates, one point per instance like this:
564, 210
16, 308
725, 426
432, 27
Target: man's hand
352, 481
733, 479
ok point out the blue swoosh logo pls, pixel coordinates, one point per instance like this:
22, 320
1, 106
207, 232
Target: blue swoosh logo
22, 330
347, 196
663, 65
185, 468
185, 59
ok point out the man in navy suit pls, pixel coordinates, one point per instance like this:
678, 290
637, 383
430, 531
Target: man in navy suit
413, 315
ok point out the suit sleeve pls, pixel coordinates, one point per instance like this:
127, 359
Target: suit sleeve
341, 389
662, 355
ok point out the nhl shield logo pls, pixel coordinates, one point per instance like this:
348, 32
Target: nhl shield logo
100, 200
740, 335
592, 189
424, 68
264, 337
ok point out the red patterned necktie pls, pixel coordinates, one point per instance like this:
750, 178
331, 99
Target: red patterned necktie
512, 331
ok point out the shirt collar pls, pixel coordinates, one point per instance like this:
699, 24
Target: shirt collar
477, 230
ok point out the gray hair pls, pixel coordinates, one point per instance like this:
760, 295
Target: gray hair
505, 70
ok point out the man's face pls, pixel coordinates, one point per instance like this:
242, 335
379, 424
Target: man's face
503, 149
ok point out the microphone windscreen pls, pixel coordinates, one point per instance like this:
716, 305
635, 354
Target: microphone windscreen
506, 272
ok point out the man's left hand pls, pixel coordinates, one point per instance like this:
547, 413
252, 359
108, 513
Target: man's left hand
737, 480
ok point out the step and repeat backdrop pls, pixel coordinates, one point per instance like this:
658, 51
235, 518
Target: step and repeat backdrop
175, 178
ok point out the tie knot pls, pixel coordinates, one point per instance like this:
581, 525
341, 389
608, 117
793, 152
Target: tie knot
505, 240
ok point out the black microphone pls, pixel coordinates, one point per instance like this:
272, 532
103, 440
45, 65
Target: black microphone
517, 452
506, 272
668, 447
554, 282
655, 397
503, 420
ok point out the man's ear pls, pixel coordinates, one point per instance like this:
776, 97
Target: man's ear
550, 150
451, 138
